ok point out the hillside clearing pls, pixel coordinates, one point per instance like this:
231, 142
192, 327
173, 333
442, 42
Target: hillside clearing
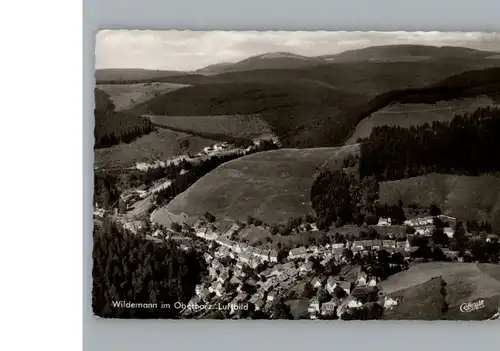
419, 302
238, 126
161, 145
463, 197
465, 282
406, 115
272, 186
126, 96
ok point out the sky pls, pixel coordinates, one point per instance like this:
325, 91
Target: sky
191, 50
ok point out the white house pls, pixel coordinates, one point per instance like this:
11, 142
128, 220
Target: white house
449, 232
491, 238
313, 305
272, 295
316, 283
384, 222
372, 281
362, 278
273, 256
389, 302
299, 252
424, 230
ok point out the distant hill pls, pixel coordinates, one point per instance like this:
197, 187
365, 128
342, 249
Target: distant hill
131, 75
272, 186
386, 53
215, 68
113, 127
463, 197
419, 286
414, 114
440, 101
297, 112
320, 106
272, 60
393, 53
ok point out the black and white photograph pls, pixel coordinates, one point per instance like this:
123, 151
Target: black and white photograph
296, 175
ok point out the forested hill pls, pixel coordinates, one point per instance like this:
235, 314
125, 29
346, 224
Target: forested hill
127, 267
467, 84
112, 127
468, 145
318, 108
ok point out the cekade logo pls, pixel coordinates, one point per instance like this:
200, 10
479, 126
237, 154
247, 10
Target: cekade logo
471, 306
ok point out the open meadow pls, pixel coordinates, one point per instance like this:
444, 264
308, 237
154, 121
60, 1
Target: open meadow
407, 115
464, 197
272, 186
465, 282
126, 96
238, 126
158, 145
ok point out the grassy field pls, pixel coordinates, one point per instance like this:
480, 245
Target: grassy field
272, 185
238, 126
406, 115
463, 197
319, 106
126, 96
419, 302
158, 145
124, 75
465, 282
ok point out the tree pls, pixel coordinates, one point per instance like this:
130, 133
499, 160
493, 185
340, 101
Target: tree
176, 227
209, 217
338, 222
308, 291
347, 254
438, 223
371, 219
331, 195
281, 310
309, 218
409, 230
434, 210
274, 229
439, 237
360, 219
438, 254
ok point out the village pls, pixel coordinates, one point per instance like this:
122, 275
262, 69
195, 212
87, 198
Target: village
245, 278
250, 280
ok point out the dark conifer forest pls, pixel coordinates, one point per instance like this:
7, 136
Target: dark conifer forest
127, 267
468, 145
112, 127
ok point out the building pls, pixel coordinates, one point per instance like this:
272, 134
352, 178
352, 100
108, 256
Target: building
299, 252
273, 256
491, 238
328, 308
272, 295
313, 305
419, 221
389, 244
306, 267
362, 279
424, 230
316, 283
449, 232
208, 257
384, 222
390, 302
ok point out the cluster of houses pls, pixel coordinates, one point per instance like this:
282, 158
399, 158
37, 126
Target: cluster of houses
354, 294
278, 278
216, 148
